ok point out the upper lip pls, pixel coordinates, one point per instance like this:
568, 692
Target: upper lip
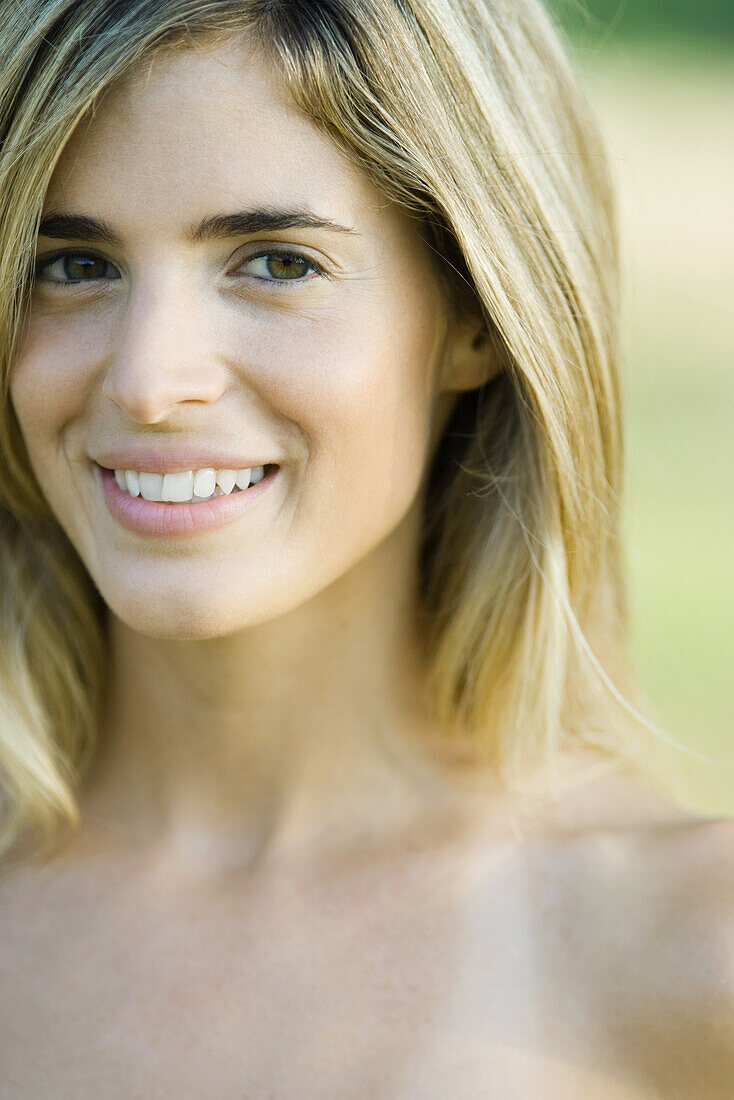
174, 459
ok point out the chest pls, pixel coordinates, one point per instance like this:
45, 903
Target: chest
126, 994
195, 1010
419, 989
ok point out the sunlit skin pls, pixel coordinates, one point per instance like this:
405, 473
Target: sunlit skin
266, 678
276, 889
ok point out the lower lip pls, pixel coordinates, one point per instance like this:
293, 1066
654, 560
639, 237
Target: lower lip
150, 517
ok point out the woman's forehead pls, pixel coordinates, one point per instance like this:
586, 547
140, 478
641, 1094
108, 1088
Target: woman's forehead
213, 121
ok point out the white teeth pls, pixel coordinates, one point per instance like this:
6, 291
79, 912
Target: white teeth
178, 487
191, 485
204, 481
226, 480
150, 485
133, 485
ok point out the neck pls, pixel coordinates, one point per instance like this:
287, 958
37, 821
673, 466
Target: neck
305, 736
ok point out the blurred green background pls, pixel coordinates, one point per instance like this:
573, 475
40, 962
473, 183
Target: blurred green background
660, 74
595, 21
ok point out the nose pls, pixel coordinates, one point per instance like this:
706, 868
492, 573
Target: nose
163, 354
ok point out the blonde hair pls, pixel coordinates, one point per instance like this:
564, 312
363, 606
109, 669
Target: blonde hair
467, 114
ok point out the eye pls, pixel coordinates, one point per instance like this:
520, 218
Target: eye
74, 267
275, 267
282, 267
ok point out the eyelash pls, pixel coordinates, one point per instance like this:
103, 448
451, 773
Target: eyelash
48, 261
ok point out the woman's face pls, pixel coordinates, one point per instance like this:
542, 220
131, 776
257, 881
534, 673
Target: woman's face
166, 329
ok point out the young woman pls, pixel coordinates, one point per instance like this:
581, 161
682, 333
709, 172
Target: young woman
323, 769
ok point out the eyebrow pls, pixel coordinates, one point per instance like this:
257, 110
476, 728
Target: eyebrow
260, 221
79, 227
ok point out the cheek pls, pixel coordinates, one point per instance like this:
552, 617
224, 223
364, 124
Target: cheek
358, 387
52, 374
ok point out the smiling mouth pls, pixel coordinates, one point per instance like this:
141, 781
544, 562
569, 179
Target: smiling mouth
176, 489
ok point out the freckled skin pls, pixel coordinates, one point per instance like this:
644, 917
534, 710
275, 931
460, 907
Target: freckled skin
272, 877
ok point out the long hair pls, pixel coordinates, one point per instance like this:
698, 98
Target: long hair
465, 112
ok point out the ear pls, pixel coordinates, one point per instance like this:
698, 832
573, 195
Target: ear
473, 355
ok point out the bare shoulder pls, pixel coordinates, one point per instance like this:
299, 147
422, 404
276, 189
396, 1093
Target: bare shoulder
648, 855
637, 897
619, 814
